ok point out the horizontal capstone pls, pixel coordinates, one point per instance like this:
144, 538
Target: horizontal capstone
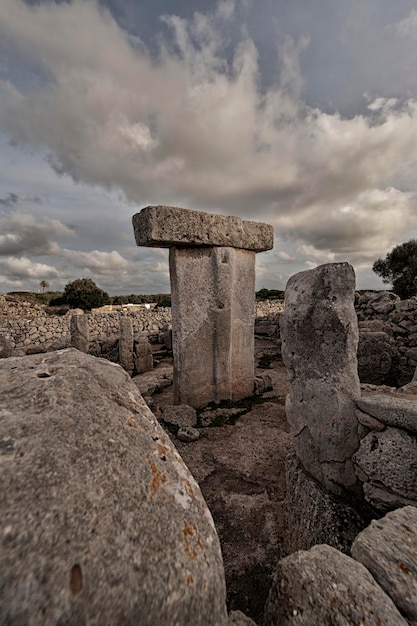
165, 226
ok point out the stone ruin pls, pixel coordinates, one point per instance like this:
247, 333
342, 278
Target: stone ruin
212, 273
97, 492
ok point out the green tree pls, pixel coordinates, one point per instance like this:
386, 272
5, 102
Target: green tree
400, 269
84, 294
44, 284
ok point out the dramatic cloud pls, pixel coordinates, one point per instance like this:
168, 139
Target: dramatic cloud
21, 235
23, 267
195, 125
97, 262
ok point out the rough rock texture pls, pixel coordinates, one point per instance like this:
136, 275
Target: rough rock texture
102, 521
213, 293
400, 411
188, 434
377, 354
180, 415
142, 356
319, 343
79, 332
237, 618
324, 586
388, 548
314, 516
387, 464
165, 226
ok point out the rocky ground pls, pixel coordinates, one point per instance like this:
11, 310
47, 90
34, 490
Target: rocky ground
240, 466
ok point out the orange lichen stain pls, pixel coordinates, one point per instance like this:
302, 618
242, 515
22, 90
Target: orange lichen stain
66, 426
190, 580
158, 479
192, 540
188, 488
162, 450
204, 586
131, 422
403, 568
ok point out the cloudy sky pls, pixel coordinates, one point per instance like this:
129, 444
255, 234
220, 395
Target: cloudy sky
301, 114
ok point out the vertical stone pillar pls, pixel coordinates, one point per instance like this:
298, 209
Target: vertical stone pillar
212, 293
80, 333
212, 271
126, 344
319, 332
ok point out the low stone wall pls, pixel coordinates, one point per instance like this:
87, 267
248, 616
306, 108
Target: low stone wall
46, 333
27, 328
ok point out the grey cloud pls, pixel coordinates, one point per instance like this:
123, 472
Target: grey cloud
10, 200
20, 234
195, 129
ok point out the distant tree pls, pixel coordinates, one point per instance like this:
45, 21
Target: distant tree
270, 294
44, 284
84, 294
400, 269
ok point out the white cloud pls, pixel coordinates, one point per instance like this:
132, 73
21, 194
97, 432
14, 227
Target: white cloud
195, 129
22, 267
97, 262
226, 9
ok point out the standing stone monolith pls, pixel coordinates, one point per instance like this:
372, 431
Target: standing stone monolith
126, 344
212, 273
79, 332
319, 343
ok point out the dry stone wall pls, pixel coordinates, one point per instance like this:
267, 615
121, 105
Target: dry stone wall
46, 333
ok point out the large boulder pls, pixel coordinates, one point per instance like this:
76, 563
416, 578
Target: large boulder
324, 586
386, 463
388, 549
102, 521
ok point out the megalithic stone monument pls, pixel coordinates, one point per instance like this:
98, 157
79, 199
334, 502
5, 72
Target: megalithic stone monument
212, 273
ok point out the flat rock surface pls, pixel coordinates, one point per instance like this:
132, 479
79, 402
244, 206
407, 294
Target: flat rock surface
102, 522
165, 226
388, 548
394, 410
324, 586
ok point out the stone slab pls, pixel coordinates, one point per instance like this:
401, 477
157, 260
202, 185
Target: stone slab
165, 226
388, 548
324, 586
393, 410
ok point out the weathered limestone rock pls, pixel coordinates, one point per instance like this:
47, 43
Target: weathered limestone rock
212, 272
377, 355
79, 332
324, 586
180, 415
126, 344
314, 516
237, 618
102, 521
166, 226
188, 434
400, 411
319, 342
143, 355
386, 462
212, 292
388, 548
